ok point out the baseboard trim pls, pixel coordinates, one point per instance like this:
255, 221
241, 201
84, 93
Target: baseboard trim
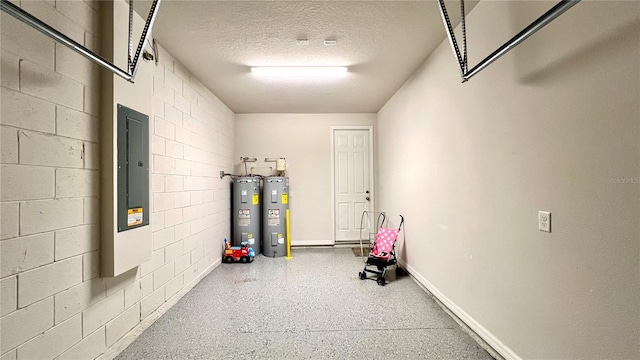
133, 334
484, 337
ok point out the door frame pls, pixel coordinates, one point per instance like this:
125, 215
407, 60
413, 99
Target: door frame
369, 129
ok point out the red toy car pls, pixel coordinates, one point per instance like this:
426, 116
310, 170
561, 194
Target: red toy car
242, 253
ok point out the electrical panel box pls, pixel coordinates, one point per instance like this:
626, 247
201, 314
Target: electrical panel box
133, 169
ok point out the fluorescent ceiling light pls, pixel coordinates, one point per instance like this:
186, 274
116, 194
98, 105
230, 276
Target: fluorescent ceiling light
299, 70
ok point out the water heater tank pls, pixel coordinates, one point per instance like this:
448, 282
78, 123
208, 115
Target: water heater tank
246, 212
276, 203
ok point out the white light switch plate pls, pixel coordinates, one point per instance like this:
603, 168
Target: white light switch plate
544, 221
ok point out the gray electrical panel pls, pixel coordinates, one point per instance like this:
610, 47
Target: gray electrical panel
246, 212
276, 203
133, 169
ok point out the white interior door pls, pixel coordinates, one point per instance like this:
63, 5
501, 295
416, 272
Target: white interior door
352, 154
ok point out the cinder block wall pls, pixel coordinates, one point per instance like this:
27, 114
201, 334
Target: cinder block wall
54, 303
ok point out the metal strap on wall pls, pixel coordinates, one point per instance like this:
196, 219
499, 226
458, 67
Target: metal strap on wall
538, 24
132, 64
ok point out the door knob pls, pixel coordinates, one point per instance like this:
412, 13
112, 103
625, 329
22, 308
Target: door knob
368, 198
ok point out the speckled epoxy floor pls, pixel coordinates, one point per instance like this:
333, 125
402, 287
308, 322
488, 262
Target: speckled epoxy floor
311, 307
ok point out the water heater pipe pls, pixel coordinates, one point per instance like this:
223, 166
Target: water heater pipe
281, 164
245, 160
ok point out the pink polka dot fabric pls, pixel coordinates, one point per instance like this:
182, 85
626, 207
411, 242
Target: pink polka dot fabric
384, 243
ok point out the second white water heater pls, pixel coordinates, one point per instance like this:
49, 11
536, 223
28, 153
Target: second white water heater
275, 204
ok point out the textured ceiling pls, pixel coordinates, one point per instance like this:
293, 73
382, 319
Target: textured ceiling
382, 43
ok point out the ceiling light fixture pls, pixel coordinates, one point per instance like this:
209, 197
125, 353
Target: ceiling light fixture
299, 70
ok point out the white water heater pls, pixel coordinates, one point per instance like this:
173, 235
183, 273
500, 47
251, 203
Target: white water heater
274, 208
246, 212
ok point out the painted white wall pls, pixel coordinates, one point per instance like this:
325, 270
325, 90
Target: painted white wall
305, 141
554, 125
53, 300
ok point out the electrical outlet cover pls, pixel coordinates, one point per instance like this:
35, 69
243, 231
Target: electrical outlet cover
544, 221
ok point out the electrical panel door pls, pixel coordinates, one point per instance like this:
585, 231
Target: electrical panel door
133, 169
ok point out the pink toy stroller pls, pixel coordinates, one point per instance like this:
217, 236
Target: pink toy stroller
382, 254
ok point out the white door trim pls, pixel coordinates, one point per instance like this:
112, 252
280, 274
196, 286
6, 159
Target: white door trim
369, 128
